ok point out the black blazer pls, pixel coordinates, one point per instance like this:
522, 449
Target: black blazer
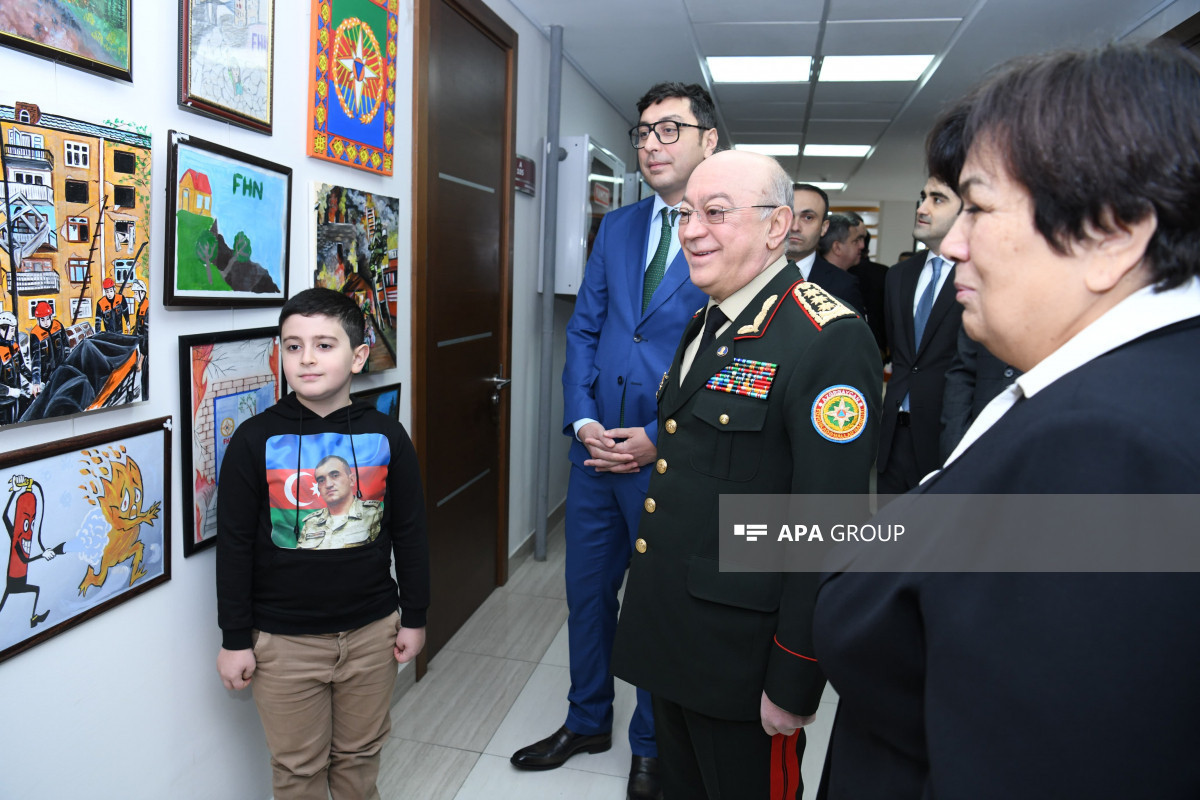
919, 371
839, 283
1032, 685
974, 378
871, 279
713, 641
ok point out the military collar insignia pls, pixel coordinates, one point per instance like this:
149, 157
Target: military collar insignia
745, 377
762, 315
839, 413
820, 306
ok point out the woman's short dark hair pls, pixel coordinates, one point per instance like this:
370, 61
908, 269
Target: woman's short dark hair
327, 303
694, 93
1101, 137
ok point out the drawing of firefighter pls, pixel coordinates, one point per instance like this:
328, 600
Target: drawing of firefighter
25, 530
110, 310
14, 372
141, 329
47, 346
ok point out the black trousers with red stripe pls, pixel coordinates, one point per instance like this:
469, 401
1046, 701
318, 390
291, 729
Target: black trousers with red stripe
718, 759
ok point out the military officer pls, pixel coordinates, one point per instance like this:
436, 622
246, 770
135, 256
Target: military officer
347, 520
747, 406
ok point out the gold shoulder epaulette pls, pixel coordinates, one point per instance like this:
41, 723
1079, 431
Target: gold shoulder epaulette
820, 306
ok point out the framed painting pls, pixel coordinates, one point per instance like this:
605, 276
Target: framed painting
226, 58
355, 241
228, 227
224, 379
93, 35
386, 399
352, 83
88, 519
74, 230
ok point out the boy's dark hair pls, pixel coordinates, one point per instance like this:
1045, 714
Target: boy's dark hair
808, 187
1105, 138
701, 102
839, 230
327, 303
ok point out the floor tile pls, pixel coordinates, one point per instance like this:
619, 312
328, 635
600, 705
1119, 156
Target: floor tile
461, 701
543, 578
559, 651
495, 779
541, 709
511, 625
419, 770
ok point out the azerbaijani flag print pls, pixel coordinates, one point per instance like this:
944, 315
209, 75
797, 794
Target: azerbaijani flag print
293, 493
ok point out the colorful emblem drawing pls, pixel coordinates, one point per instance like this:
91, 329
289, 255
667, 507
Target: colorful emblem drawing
225, 378
78, 546
840, 414
352, 83
74, 264
95, 35
229, 226
355, 240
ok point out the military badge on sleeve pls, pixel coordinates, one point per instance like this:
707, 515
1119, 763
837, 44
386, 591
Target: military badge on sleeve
840, 414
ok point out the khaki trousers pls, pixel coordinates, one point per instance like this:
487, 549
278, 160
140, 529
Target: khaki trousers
323, 700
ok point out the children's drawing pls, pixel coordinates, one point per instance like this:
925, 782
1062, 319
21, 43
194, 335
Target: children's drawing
225, 378
87, 523
225, 59
356, 237
74, 265
228, 226
95, 35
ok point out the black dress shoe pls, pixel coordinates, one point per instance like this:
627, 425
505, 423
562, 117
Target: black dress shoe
643, 780
555, 749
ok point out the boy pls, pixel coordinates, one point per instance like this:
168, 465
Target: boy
318, 631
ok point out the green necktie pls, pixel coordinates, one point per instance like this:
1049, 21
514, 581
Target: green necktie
658, 264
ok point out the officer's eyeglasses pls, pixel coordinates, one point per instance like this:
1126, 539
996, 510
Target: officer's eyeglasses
711, 216
667, 131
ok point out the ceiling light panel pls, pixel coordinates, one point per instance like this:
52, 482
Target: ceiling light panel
759, 69
837, 150
770, 149
847, 69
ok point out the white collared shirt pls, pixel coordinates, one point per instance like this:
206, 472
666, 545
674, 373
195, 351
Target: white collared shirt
656, 233
927, 275
806, 264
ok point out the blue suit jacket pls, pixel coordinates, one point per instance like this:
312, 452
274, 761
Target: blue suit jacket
615, 351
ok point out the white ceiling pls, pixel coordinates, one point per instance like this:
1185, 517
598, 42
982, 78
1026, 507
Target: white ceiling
625, 46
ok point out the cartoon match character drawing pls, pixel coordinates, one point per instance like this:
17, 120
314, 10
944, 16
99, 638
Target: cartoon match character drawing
120, 500
24, 525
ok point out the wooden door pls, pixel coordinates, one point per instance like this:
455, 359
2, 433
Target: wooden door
464, 116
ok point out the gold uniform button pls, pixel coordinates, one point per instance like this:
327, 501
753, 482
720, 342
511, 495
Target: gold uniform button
640, 545
723, 419
671, 426
661, 466
650, 505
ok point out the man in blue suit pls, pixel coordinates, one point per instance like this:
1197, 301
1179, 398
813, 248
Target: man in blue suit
634, 303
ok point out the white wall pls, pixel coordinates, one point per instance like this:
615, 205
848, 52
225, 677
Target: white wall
129, 704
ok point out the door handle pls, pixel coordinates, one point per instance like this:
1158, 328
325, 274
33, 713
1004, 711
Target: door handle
498, 382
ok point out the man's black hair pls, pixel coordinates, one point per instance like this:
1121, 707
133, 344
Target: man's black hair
808, 187
327, 303
839, 231
698, 97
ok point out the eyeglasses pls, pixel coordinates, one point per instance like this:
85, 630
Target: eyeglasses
667, 131
712, 216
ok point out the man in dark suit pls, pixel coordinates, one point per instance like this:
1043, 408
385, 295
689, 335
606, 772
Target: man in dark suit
635, 300
1079, 262
974, 378
872, 278
922, 320
839, 240
810, 220
749, 404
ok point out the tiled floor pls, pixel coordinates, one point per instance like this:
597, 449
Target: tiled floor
500, 684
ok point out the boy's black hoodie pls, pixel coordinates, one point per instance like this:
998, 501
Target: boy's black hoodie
263, 581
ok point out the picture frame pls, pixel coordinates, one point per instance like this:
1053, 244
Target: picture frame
226, 61
352, 83
80, 215
224, 379
91, 35
385, 398
215, 267
355, 251
116, 520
